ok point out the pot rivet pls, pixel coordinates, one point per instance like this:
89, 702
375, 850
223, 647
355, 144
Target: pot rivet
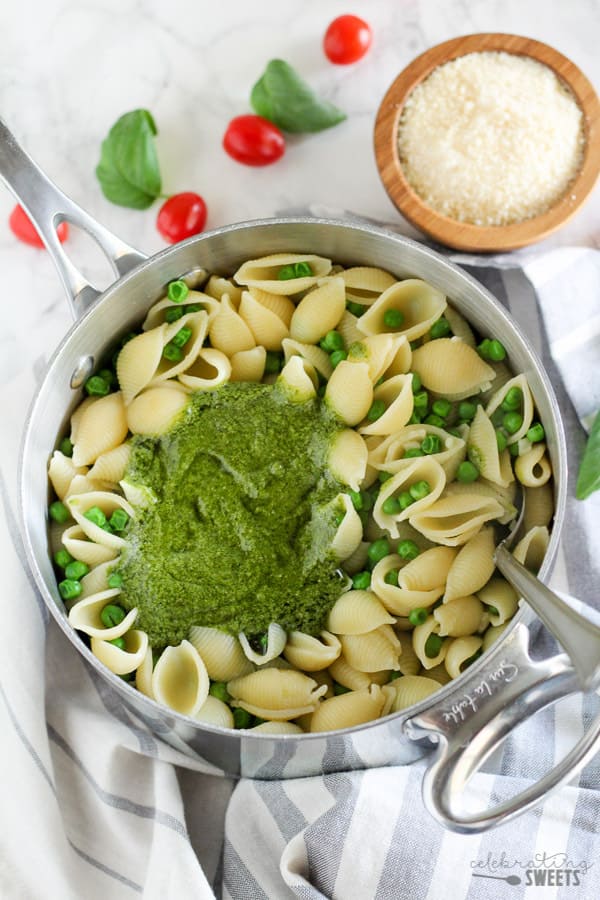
82, 371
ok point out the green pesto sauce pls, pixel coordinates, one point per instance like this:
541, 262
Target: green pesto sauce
240, 533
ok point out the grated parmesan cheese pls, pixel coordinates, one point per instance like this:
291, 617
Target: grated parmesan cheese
491, 138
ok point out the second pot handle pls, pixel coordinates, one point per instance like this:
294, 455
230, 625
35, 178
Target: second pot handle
47, 207
468, 726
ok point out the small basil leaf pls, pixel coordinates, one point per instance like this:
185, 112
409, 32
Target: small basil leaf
281, 96
588, 479
128, 170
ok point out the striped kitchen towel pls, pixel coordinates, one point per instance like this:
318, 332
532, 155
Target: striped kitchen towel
94, 806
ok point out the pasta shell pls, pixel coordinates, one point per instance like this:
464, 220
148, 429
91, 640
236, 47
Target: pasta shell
215, 712
110, 466
410, 664
77, 542
347, 327
533, 468
453, 520
419, 302
79, 504
539, 506
267, 328
143, 675
155, 411
121, 662
309, 653
228, 332
282, 306
276, 693
156, 313
519, 381
450, 367
503, 599
414, 471
276, 641
349, 710
216, 287
459, 326
492, 635
248, 365
373, 651
313, 355
319, 311
349, 533
263, 273
221, 652
396, 393
295, 378
85, 616
96, 579
210, 370
347, 458
77, 416
349, 392
180, 680
378, 350
357, 612
412, 689
401, 362
102, 427
482, 448
421, 634
459, 652
504, 495
389, 455
531, 549
83, 484
342, 672
277, 728
364, 284
61, 472
472, 567
358, 560
459, 617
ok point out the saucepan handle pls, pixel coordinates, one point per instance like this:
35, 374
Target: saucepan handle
468, 726
47, 207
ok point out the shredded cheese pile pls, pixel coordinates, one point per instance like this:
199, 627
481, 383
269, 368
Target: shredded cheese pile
491, 138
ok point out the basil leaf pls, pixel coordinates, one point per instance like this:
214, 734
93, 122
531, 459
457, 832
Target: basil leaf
286, 100
588, 479
128, 170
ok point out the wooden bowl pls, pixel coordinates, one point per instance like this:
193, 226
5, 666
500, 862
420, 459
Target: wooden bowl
462, 235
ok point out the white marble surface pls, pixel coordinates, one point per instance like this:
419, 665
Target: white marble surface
68, 70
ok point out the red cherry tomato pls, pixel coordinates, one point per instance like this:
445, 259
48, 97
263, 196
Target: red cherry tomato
347, 40
23, 228
253, 141
181, 216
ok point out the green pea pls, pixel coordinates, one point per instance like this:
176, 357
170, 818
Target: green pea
405, 500
384, 476
357, 500
219, 690
408, 549
497, 417
378, 550
432, 419
66, 447
193, 307
418, 616
431, 444
419, 490
181, 338
337, 357
393, 318
376, 411
302, 270
394, 676
440, 329
514, 449
513, 400
484, 348
391, 506
94, 514
173, 313
115, 580
272, 362
177, 291
241, 718
496, 351
361, 581
96, 386
62, 558
415, 419
112, 614
357, 309
421, 401
366, 500
118, 642
442, 408
492, 610
467, 472
286, 273
333, 340
340, 689
469, 662
59, 512
512, 422
536, 433
416, 383
500, 439
69, 589
391, 577
108, 375
118, 520
413, 453
172, 352
466, 410
433, 645
76, 570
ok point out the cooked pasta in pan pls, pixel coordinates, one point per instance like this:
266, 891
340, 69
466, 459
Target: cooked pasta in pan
278, 504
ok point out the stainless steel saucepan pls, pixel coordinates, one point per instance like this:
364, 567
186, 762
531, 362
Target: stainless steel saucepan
468, 717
